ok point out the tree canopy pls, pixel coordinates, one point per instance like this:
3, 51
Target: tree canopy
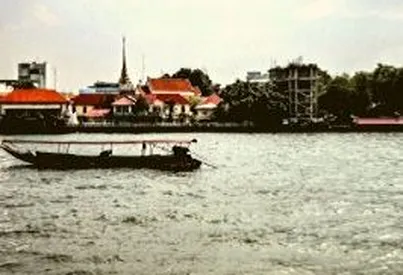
198, 78
377, 93
245, 101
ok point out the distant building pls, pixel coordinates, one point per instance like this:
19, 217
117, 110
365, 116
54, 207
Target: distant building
36, 73
173, 93
8, 85
32, 103
205, 110
171, 86
100, 87
298, 81
257, 77
88, 106
124, 106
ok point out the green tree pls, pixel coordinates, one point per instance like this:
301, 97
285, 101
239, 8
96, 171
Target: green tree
387, 89
198, 79
361, 93
141, 107
337, 99
20, 84
194, 101
245, 101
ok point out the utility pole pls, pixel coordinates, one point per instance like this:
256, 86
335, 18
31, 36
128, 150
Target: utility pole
55, 78
143, 68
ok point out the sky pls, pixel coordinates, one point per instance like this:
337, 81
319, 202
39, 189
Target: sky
82, 39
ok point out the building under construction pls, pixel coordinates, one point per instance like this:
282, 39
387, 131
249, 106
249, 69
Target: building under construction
299, 82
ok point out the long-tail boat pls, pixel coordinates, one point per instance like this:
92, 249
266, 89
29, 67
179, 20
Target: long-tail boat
178, 157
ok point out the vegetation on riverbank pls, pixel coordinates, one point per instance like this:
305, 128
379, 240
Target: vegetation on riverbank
366, 94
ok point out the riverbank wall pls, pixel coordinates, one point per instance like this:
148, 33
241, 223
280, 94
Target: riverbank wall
192, 128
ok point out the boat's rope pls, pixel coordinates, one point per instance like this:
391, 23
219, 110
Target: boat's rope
199, 157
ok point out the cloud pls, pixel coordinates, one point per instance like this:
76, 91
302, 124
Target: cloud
227, 39
314, 10
45, 15
317, 9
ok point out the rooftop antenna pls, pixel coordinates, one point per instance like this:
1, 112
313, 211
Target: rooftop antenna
272, 63
143, 67
55, 78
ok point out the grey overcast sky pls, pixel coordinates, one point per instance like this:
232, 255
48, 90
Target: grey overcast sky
82, 38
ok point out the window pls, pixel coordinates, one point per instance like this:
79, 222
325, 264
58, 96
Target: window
85, 109
183, 108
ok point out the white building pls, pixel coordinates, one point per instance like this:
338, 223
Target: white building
101, 87
40, 74
205, 110
257, 77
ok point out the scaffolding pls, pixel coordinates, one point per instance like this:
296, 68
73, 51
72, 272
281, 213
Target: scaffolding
298, 82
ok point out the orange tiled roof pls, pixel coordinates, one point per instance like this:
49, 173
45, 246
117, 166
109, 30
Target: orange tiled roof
212, 99
98, 113
33, 96
150, 98
170, 85
124, 101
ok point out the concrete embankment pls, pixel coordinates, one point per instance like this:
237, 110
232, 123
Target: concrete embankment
187, 128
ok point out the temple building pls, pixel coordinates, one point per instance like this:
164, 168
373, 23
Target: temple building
125, 85
31, 109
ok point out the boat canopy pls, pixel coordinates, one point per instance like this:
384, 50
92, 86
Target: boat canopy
60, 142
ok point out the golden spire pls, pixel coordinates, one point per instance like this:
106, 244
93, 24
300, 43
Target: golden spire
124, 77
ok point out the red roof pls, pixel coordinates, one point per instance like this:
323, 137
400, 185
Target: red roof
150, 98
170, 85
33, 96
93, 99
197, 91
97, 113
213, 99
174, 98
125, 101
379, 121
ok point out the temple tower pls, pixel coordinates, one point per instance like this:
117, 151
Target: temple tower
124, 80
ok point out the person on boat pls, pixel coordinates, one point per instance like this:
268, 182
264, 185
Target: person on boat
180, 151
143, 149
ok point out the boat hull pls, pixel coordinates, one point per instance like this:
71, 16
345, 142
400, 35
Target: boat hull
27, 156
44, 160
71, 161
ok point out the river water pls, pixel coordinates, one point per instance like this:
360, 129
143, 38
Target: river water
276, 204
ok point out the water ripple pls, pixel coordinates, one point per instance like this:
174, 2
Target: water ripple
277, 204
